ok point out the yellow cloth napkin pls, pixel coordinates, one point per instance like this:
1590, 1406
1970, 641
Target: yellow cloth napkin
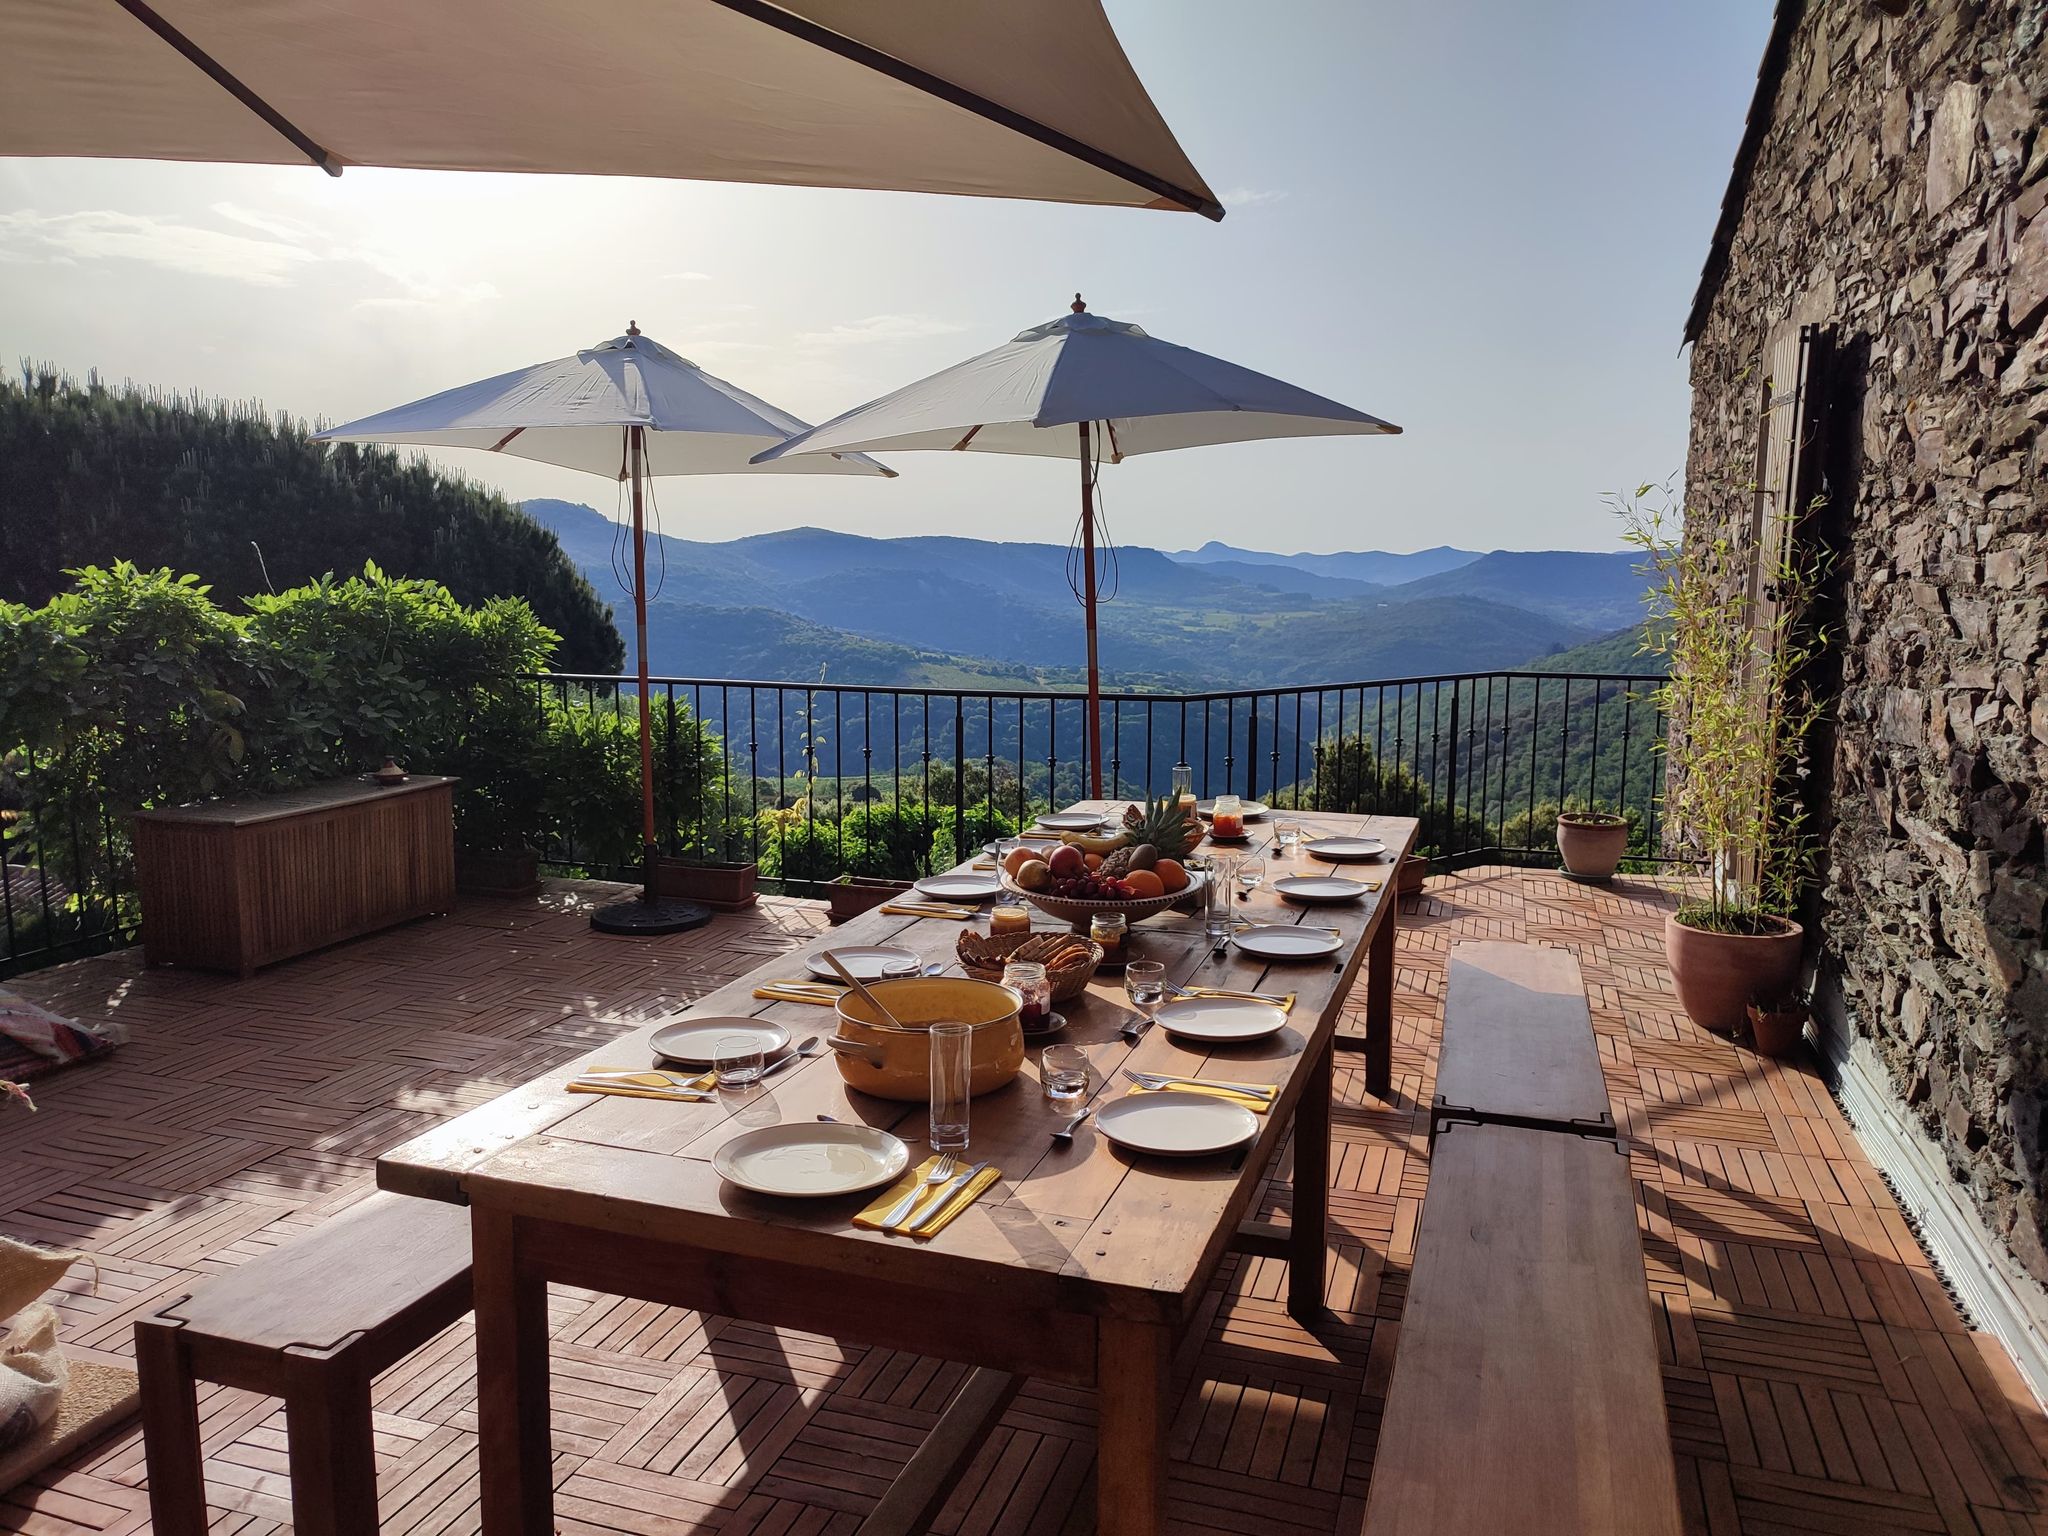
1285, 1005
1257, 1103
925, 1222
958, 914
821, 998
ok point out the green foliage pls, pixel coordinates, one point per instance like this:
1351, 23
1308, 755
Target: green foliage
97, 475
1739, 654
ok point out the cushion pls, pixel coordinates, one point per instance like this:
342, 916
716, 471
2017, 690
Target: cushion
33, 1040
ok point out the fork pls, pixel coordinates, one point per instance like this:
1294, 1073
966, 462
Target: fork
1256, 997
1164, 1080
942, 1170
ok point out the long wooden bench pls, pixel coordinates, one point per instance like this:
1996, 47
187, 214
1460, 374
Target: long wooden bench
311, 1322
1518, 1046
1526, 1394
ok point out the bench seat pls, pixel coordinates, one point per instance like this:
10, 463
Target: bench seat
1518, 1045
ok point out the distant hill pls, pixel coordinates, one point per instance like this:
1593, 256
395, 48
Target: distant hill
1618, 654
1592, 590
1371, 565
91, 474
994, 608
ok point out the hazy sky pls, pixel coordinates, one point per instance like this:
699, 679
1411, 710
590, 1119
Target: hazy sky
1481, 219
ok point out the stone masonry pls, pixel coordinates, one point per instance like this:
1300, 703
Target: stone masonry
1900, 194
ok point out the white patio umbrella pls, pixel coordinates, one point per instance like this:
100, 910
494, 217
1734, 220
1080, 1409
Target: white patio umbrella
991, 98
1082, 387
632, 409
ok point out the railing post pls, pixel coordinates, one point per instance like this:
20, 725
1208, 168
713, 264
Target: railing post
1251, 753
959, 776
1451, 783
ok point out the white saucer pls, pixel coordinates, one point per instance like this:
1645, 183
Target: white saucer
1282, 941
1221, 1020
811, 1158
1176, 1124
694, 1042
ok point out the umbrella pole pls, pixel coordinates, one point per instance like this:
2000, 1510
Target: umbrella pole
651, 914
1094, 721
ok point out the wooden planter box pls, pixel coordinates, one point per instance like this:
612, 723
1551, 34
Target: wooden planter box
721, 887
230, 885
851, 895
497, 874
1408, 878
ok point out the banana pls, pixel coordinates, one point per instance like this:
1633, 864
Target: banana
1091, 842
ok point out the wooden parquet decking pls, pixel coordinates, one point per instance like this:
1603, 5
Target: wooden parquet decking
1817, 1376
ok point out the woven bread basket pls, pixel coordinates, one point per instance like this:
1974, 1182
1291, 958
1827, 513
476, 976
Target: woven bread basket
983, 957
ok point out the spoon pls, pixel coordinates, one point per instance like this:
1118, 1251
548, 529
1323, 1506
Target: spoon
808, 1047
831, 958
1066, 1132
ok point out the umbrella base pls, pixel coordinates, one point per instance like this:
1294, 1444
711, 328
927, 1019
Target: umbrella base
645, 918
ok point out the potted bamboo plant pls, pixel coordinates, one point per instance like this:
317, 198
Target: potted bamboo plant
1738, 655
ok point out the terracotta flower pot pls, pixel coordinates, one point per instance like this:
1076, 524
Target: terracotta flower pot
1716, 975
721, 887
1591, 846
1779, 1029
851, 895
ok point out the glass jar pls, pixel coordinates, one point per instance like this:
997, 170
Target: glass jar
1008, 917
1226, 818
1110, 930
1028, 979
1184, 787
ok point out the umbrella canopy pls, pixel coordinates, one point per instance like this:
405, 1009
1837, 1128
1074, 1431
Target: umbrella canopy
629, 408
990, 98
573, 412
1149, 396
1083, 387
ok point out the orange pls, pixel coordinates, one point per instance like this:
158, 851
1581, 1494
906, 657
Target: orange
1172, 876
1091, 860
1018, 858
1145, 882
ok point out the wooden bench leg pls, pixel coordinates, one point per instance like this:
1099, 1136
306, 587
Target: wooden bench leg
1379, 1003
170, 1431
1133, 1380
333, 1456
1308, 1252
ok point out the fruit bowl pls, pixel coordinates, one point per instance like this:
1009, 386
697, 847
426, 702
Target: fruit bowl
1079, 909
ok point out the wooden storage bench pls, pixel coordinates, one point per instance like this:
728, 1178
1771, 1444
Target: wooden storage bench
230, 885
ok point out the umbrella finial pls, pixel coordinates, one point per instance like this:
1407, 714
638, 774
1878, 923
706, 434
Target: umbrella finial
1077, 306
633, 326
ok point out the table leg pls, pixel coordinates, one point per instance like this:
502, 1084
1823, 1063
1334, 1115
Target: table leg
1379, 1002
1134, 1377
1307, 1250
514, 1457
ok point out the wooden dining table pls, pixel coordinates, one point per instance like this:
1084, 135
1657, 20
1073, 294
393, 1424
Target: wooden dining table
1083, 1265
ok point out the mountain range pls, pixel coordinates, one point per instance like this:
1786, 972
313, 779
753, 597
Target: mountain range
968, 613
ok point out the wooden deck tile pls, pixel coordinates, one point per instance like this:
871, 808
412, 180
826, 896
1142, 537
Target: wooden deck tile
1816, 1377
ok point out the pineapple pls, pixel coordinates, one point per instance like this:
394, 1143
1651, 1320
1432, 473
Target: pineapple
1164, 825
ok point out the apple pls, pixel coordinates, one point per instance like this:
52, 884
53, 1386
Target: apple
1066, 862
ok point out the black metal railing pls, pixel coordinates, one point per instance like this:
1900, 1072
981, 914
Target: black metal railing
812, 780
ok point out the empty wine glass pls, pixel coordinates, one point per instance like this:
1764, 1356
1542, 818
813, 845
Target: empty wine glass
1250, 873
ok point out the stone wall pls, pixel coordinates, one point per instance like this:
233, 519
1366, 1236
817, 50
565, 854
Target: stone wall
1901, 195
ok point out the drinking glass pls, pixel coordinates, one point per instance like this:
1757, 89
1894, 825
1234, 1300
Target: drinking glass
1145, 981
1063, 1073
737, 1060
1250, 873
952, 1047
1216, 894
1287, 835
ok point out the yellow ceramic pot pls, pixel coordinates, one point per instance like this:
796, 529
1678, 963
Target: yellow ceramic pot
897, 1063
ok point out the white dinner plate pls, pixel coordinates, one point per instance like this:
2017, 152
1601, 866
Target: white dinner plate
1176, 1124
694, 1042
1347, 850
1321, 890
1280, 941
811, 1158
868, 962
959, 887
1071, 821
1253, 810
1221, 1020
